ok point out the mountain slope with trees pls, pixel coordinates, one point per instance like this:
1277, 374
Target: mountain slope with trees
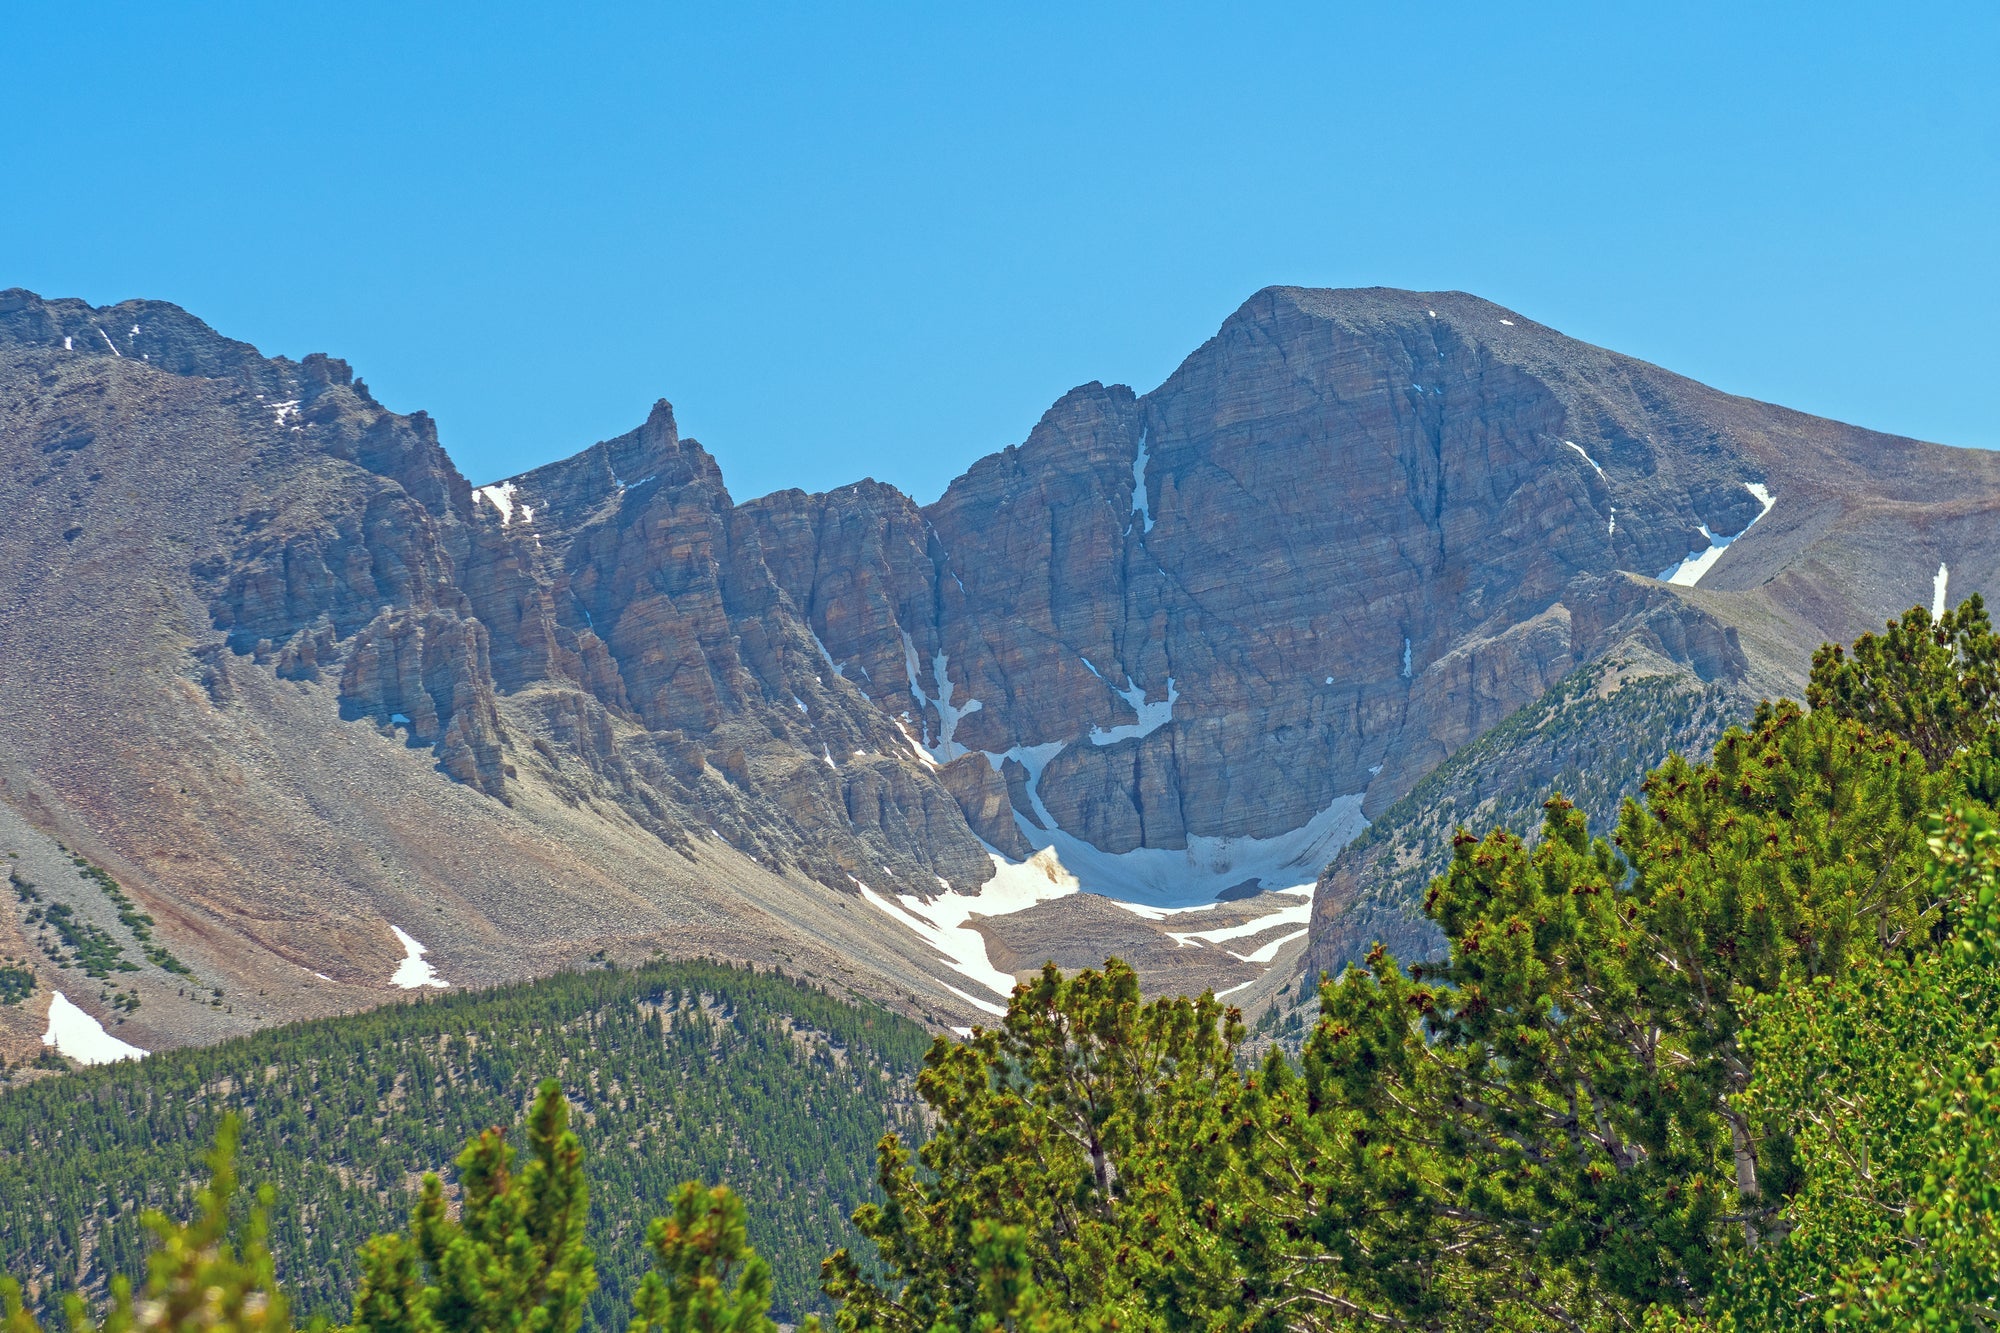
680, 1071
1727, 1065
296, 684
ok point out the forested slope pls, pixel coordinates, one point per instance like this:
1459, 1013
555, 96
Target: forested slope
677, 1072
1593, 737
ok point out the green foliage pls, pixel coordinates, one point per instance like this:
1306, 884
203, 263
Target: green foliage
1068, 1176
199, 1279
513, 1259
682, 1071
139, 923
1888, 1077
1935, 683
509, 1258
83, 944
1562, 1125
16, 983
89, 946
77, 942
1566, 1119
706, 1278
1593, 736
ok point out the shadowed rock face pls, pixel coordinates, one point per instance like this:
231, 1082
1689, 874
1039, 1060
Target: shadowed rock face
1190, 637
1342, 531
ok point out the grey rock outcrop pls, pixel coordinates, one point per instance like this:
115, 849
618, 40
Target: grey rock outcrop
1355, 537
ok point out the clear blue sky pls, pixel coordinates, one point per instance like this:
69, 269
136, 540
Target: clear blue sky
880, 240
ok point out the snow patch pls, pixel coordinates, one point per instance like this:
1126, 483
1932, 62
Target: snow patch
827, 752
1284, 916
108, 343
1689, 572
922, 755
501, 497
942, 921
1146, 913
1937, 590
68, 344
1162, 878
1152, 716
288, 408
399, 719
1034, 758
1508, 322
413, 972
838, 669
1585, 457
1140, 505
1269, 951
1406, 657
81, 1037
946, 749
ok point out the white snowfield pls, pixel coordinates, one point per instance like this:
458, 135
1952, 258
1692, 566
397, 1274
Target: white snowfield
1937, 590
1296, 916
941, 922
1689, 571
1140, 506
81, 1037
838, 668
1152, 716
1585, 457
1162, 877
1151, 882
501, 497
946, 749
413, 972
1265, 953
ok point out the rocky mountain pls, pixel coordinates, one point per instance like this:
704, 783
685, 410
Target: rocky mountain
275, 669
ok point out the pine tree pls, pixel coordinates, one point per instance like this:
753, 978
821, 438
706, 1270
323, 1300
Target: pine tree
1888, 1077
1935, 683
514, 1258
1078, 1144
706, 1278
199, 1279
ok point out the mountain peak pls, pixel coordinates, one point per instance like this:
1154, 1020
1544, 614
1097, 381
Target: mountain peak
1172, 647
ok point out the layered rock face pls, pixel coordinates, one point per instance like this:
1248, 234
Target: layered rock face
1177, 646
1337, 544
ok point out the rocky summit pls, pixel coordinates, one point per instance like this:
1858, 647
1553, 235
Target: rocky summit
294, 718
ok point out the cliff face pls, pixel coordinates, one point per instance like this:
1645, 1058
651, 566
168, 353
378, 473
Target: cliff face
1341, 541
271, 656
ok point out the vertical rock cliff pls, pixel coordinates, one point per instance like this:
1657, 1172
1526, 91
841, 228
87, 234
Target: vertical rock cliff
270, 653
